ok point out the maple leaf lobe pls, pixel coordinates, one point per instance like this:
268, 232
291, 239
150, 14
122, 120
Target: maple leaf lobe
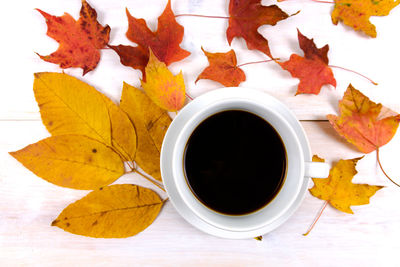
223, 69
246, 16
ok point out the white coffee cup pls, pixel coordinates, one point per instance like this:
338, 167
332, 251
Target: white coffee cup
299, 165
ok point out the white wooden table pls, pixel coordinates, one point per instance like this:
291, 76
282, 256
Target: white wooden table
28, 204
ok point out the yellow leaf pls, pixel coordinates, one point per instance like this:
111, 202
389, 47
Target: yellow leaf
338, 189
73, 161
123, 134
114, 211
151, 124
165, 89
356, 13
70, 106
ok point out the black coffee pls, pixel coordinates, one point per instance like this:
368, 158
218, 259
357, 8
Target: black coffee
235, 162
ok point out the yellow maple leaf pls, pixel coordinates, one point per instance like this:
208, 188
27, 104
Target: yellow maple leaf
73, 161
115, 211
356, 13
165, 89
338, 189
151, 124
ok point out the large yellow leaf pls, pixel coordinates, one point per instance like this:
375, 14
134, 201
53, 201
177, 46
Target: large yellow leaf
70, 106
165, 89
123, 134
73, 161
151, 123
338, 189
114, 211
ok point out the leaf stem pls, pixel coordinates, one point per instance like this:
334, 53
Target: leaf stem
380, 165
316, 218
150, 179
201, 16
355, 72
256, 62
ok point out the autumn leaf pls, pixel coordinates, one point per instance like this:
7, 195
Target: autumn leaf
356, 13
338, 189
80, 40
73, 161
123, 134
363, 123
151, 124
246, 16
312, 69
70, 106
164, 42
223, 69
115, 211
166, 90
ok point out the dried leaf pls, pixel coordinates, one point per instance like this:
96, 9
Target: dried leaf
70, 106
164, 42
151, 123
73, 161
166, 90
223, 69
246, 16
115, 211
123, 134
338, 189
80, 40
362, 122
312, 69
356, 13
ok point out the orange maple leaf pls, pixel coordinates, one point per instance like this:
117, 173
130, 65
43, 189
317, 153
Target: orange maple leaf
312, 69
164, 42
246, 16
80, 40
363, 123
223, 69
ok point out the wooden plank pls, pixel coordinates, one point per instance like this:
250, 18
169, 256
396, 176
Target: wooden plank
28, 205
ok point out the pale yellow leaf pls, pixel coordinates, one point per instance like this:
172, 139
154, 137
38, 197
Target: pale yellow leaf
115, 211
73, 161
70, 106
151, 124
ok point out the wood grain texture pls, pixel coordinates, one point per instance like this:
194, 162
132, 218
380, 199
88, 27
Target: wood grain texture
29, 204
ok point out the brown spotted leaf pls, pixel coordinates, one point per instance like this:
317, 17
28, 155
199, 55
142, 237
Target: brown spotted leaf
115, 211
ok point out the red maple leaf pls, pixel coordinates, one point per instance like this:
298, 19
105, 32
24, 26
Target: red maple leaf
164, 42
312, 69
223, 69
246, 16
80, 40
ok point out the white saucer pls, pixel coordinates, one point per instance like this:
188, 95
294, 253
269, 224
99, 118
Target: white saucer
177, 125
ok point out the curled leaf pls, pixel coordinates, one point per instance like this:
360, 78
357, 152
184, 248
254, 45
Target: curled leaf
115, 211
151, 124
70, 106
223, 69
73, 161
165, 89
80, 40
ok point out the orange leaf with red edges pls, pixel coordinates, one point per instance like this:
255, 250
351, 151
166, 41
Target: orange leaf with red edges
80, 40
164, 42
312, 69
363, 123
223, 69
246, 16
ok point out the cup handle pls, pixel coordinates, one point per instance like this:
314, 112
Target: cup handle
316, 169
